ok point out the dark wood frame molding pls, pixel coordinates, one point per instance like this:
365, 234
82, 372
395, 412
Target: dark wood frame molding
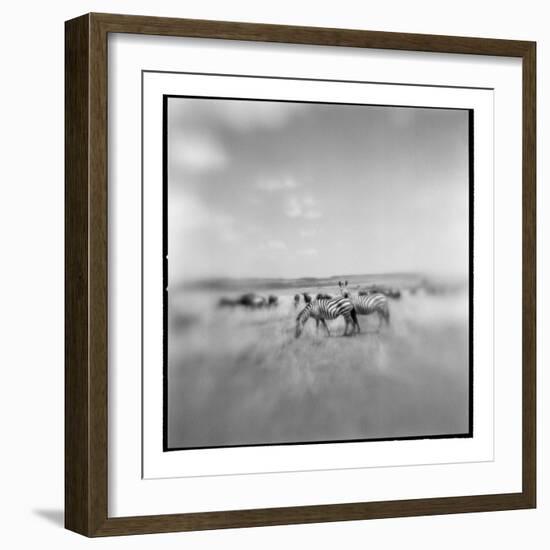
86, 274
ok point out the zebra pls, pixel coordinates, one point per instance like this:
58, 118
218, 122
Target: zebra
307, 297
394, 293
367, 304
322, 296
252, 301
296, 300
323, 309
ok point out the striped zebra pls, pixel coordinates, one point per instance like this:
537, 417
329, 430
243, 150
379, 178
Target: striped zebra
324, 309
368, 304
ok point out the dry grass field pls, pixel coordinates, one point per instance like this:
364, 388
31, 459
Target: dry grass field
240, 377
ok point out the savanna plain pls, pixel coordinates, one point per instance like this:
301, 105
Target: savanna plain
239, 376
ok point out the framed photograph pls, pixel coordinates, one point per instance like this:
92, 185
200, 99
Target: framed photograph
300, 274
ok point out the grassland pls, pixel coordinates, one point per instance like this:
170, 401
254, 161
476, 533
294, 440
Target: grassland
240, 377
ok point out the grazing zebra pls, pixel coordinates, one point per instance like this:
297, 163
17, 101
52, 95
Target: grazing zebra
321, 310
394, 293
252, 301
367, 304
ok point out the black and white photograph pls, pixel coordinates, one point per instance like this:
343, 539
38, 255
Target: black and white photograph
317, 272
300, 269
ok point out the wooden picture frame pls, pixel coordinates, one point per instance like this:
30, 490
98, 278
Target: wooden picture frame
86, 357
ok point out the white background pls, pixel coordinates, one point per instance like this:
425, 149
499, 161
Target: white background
31, 295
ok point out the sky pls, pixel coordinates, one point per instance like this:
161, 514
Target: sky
274, 189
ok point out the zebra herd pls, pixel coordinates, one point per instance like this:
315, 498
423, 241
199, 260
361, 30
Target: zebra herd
324, 307
348, 305
249, 301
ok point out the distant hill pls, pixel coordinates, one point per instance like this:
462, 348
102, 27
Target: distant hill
255, 283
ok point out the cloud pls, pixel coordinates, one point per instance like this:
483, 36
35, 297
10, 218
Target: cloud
236, 115
272, 185
197, 153
302, 207
188, 214
228, 233
276, 245
307, 232
251, 115
308, 252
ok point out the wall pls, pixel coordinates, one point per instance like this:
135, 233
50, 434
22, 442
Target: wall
31, 293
